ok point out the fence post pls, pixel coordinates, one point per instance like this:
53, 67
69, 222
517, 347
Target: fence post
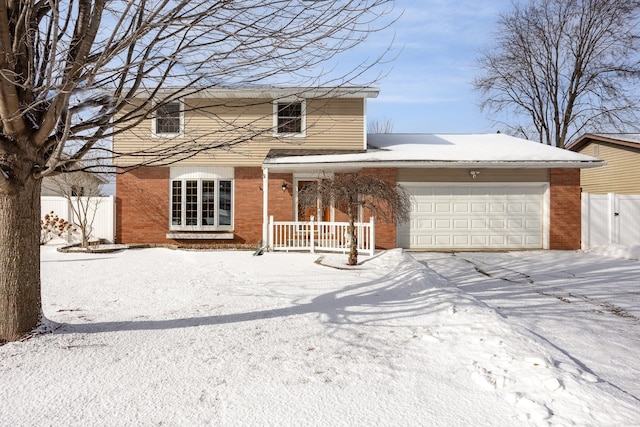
372, 238
614, 229
312, 240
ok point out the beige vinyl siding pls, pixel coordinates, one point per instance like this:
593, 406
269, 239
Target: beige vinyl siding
330, 124
620, 175
462, 175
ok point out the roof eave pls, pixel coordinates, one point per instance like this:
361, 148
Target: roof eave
275, 92
283, 164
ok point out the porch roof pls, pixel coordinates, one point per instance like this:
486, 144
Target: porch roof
435, 151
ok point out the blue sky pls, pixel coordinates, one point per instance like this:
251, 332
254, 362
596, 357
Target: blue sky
428, 87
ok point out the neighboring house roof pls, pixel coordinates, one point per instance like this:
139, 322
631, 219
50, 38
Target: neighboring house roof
440, 150
625, 139
51, 187
621, 152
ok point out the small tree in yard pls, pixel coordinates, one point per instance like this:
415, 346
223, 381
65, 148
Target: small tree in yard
354, 192
83, 192
76, 73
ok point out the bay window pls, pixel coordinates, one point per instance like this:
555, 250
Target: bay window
201, 203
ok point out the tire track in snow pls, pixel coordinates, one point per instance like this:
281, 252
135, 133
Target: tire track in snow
603, 306
526, 279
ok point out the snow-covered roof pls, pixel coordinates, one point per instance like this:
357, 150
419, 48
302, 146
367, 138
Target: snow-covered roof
441, 150
267, 92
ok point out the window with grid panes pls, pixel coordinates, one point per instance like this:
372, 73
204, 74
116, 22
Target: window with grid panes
290, 118
201, 204
168, 119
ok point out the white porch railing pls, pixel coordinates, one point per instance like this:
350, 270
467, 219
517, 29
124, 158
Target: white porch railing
320, 236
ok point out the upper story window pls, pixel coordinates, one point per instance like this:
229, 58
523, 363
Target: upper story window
168, 119
289, 118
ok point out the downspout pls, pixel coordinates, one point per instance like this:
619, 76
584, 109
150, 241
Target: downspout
265, 206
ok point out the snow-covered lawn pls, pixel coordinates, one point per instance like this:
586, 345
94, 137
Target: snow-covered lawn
155, 336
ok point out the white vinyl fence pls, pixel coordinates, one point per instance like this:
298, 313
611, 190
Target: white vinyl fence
610, 219
104, 224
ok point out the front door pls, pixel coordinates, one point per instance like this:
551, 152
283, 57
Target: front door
304, 213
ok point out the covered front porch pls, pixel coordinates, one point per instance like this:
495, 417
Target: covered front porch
289, 225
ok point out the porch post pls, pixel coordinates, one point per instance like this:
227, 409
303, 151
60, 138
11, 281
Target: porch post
265, 206
372, 239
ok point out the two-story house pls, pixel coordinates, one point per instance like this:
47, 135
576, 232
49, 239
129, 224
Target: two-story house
488, 191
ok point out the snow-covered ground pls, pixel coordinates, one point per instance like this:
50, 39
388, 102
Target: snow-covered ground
162, 337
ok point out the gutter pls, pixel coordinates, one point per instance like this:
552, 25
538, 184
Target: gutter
420, 164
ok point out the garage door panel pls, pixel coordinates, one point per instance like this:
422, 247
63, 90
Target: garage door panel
476, 216
461, 208
479, 224
515, 224
515, 207
478, 207
443, 207
443, 241
534, 241
424, 207
461, 224
461, 241
534, 224
481, 241
443, 224
533, 207
497, 224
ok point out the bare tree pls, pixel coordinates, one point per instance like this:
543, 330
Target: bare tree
74, 73
564, 66
380, 126
83, 191
354, 192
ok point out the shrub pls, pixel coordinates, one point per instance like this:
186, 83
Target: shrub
52, 226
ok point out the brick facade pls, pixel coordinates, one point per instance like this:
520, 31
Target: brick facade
564, 217
386, 235
142, 207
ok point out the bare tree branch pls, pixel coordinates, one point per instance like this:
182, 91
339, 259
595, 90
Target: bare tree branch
74, 74
565, 67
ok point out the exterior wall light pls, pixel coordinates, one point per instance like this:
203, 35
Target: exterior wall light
474, 174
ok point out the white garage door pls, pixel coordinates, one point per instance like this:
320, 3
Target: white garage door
474, 217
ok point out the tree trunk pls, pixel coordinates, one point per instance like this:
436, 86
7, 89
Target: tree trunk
20, 299
353, 242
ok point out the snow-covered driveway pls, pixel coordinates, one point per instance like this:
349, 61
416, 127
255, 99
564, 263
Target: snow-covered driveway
587, 306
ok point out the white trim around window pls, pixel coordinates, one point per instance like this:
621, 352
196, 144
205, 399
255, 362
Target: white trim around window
201, 199
170, 107
289, 113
